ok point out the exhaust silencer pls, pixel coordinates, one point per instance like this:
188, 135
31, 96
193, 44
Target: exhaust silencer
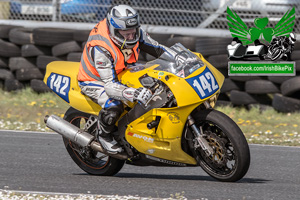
68, 130
77, 135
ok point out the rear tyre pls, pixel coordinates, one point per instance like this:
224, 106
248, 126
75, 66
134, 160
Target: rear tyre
90, 161
231, 158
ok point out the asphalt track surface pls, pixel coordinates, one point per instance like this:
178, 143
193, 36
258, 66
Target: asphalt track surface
31, 161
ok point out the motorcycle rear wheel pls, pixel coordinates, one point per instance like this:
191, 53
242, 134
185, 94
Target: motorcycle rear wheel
93, 162
231, 158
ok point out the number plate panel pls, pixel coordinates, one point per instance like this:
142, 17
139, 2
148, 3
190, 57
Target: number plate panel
60, 85
204, 84
37, 9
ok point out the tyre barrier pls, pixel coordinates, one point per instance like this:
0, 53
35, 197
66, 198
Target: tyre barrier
25, 53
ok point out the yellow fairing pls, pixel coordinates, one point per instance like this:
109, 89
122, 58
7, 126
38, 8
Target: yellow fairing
77, 100
166, 141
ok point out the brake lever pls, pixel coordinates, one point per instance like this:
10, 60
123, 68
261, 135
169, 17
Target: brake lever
156, 93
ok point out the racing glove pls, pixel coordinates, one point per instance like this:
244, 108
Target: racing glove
142, 95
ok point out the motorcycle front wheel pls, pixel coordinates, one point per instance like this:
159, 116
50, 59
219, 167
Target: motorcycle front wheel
88, 160
231, 155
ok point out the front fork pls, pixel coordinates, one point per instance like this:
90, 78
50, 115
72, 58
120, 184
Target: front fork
199, 137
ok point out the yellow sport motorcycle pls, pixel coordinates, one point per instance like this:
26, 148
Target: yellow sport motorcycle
176, 127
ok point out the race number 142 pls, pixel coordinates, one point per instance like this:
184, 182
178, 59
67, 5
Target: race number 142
206, 84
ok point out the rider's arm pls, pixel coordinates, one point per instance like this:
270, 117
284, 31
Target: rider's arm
150, 46
106, 69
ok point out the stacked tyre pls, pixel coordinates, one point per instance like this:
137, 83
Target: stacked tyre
25, 53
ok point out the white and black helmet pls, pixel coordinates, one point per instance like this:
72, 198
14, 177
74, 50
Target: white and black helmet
123, 17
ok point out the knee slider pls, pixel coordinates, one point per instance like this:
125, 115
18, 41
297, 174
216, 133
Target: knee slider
110, 114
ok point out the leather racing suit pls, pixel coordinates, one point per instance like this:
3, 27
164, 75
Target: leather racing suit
101, 61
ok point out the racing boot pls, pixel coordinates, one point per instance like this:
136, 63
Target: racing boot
107, 118
106, 139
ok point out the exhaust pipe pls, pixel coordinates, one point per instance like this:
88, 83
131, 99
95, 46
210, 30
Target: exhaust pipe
77, 135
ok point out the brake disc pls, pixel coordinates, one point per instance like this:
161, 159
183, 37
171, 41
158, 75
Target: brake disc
219, 157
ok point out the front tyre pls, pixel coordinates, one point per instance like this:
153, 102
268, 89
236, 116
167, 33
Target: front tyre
88, 160
231, 158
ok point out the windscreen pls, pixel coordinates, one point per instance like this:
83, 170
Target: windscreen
178, 60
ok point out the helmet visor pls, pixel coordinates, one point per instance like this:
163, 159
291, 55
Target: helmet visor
128, 35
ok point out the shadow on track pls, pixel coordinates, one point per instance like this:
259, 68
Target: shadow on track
180, 177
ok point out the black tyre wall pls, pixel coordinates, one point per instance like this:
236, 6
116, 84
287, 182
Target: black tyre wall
261, 87
75, 57
16, 63
28, 74
81, 35
9, 49
12, 84
3, 62
6, 74
219, 61
42, 61
291, 87
51, 36
187, 41
39, 86
5, 29
65, 48
21, 36
31, 50
285, 104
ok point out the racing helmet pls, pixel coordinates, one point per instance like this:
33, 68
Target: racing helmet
123, 17
292, 38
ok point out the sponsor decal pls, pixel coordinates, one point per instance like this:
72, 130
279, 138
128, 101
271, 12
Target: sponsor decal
174, 117
128, 94
161, 73
151, 151
165, 161
129, 133
101, 63
131, 22
194, 68
181, 73
145, 138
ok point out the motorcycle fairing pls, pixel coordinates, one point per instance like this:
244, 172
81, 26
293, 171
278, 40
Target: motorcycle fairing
165, 140
61, 77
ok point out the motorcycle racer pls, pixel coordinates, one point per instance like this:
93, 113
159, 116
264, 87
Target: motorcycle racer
114, 43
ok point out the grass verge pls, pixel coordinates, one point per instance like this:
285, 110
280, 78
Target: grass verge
25, 110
